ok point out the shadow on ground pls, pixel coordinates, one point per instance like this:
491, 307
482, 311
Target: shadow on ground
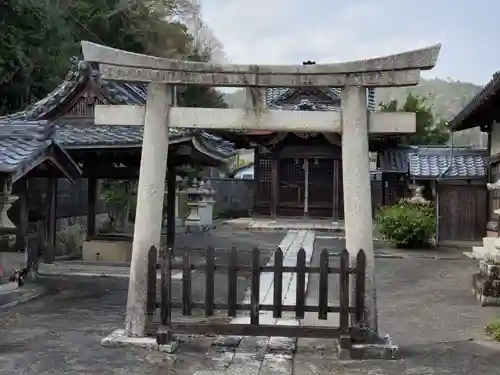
61, 333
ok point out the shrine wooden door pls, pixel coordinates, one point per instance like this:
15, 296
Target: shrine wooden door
321, 187
291, 187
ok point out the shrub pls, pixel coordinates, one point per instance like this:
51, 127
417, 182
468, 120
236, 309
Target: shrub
493, 329
407, 224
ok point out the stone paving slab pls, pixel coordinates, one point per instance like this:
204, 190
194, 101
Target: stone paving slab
268, 355
284, 224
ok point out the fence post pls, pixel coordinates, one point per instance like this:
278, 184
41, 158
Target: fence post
300, 296
323, 285
255, 287
186, 283
232, 283
278, 283
151, 285
209, 281
344, 290
164, 335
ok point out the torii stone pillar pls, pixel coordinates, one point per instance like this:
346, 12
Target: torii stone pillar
354, 122
357, 189
150, 195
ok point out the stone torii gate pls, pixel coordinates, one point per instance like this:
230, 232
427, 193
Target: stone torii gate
353, 122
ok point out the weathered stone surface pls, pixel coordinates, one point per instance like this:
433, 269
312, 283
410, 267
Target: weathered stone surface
421, 59
238, 119
367, 79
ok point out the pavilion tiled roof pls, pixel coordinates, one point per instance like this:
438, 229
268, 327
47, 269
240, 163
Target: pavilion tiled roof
24, 145
82, 76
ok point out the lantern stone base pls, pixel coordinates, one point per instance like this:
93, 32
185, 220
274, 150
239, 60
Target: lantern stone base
486, 289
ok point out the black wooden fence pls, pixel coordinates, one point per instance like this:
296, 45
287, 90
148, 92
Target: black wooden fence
166, 327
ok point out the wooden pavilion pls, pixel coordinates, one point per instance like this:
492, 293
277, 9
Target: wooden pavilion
96, 151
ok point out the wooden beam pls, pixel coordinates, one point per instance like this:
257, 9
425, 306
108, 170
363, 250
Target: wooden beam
240, 119
122, 173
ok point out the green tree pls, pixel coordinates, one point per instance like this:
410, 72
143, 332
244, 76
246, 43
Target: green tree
34, 52
39, 37
429, 131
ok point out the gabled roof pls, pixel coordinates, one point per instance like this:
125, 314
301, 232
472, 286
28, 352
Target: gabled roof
430, 162
276, 97
82, 77
25, 145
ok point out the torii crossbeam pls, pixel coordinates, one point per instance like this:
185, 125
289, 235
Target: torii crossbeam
354, 123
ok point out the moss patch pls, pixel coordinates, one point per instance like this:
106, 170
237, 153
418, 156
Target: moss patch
493, 329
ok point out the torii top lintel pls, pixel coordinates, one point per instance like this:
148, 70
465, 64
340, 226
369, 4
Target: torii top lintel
402, 69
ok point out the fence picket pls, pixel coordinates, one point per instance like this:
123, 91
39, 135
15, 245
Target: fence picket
255, 287
300, 298
232, 283
186, 283
323, 285
345, 332
164, 336
360, 286
278, 283
344, 290
209, 281
151, 286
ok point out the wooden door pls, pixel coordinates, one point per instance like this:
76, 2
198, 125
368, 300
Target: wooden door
321, 181
462, 212
291, 187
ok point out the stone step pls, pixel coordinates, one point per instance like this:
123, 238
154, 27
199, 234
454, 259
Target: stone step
479, 252
489, 242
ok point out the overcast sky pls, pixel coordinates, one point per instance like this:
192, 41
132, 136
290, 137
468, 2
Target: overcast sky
293, 31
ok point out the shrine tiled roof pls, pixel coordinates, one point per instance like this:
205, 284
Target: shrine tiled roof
277, 96
25, 145
430, 162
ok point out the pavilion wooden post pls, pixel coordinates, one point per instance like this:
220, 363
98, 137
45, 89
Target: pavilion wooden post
22, 233
150, 194
92, 185
50, 226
